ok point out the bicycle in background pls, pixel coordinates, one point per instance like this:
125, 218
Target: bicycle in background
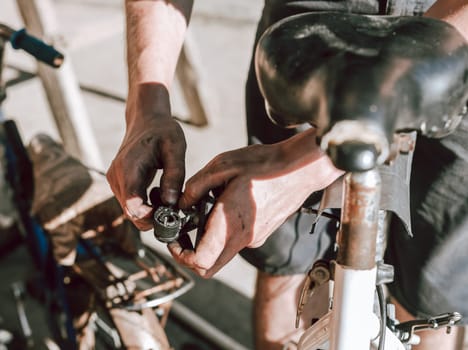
100, 285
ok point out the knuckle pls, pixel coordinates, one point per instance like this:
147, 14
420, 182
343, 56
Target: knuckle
200, 263
189, 193
111, 176
221, 161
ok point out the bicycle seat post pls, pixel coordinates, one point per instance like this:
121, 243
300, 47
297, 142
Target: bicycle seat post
355, 268
359, 221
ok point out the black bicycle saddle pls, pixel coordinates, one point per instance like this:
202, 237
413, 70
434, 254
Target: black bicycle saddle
360, 78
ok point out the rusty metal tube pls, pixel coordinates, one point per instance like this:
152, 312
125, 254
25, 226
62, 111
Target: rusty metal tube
359, 220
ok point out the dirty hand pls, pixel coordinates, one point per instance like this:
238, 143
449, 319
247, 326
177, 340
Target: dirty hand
153, 140
262, 185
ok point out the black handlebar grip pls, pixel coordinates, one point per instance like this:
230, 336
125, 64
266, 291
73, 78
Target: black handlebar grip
37, 48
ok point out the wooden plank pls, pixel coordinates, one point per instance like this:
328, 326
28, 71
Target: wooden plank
189, 72
61, 86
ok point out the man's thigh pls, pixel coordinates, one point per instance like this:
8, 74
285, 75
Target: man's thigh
292, 249
432, 267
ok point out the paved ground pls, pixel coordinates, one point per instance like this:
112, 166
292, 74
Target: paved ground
93, 30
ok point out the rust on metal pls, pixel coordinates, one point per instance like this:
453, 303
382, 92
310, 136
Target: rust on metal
359, 223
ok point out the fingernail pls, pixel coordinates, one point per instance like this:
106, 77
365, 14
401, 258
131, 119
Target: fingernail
136, 209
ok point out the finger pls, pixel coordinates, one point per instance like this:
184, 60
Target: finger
130, 174
185, 257
139, 213
172, 179
136, 211
215, 249
218, 245
113, 182
129, 184
203, 258
133, 208
145, 224
200, 184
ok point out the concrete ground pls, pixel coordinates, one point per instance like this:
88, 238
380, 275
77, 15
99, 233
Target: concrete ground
93, 31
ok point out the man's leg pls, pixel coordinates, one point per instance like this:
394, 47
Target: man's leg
275, 313
275, 305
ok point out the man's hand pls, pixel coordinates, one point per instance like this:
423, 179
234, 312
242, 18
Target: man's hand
153, 140
454, 12
261, 186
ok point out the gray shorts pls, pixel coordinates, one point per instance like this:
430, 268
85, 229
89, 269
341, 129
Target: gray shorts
431, 268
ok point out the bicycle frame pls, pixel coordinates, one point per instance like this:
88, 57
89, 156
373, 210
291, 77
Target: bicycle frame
124, 289
355, 268
359, 273
351, 323
329, 70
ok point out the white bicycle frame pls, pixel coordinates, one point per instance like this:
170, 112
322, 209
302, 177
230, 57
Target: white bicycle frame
351, 323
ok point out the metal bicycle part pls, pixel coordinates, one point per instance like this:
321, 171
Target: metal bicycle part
18, 290
171, 224
406, 330
167, 224
317, 276
355, 268
56, 295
